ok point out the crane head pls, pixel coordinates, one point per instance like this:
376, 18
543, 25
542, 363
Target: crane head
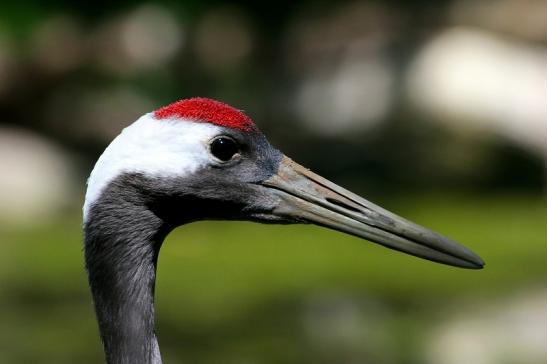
199, 159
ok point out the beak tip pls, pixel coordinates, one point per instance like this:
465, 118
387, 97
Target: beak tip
476, 263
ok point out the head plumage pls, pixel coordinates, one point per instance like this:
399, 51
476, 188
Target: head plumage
202, 109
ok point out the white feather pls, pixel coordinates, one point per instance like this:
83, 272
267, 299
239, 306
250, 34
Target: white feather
160, 148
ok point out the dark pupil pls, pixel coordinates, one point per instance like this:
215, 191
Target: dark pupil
223, 148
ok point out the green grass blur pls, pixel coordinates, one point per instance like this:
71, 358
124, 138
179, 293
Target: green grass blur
231, 292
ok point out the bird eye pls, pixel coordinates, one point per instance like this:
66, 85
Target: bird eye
224, 148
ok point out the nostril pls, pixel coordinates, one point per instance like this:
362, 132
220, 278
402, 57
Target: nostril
343, 205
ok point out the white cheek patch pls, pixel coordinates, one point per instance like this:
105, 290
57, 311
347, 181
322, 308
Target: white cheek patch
159, 148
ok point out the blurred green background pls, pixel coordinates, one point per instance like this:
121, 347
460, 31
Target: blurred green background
434, 109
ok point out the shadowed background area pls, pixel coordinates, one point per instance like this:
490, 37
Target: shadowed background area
435, 109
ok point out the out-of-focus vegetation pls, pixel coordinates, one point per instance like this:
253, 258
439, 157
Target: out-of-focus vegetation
288, 294
437, 110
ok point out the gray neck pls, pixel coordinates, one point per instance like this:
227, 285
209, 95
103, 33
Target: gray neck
122, 242
124, 230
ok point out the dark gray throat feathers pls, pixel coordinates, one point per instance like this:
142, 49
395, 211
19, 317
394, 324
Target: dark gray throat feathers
122, 242
125, 228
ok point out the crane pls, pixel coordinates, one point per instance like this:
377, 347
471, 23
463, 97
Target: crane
199, 159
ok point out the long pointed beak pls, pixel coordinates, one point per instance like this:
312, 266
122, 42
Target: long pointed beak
310, 198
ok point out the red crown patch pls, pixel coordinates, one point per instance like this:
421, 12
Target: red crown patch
202, 109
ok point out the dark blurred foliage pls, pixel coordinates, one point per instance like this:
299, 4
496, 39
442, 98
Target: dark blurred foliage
264, 84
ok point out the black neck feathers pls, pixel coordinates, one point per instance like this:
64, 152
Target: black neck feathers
122, 242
